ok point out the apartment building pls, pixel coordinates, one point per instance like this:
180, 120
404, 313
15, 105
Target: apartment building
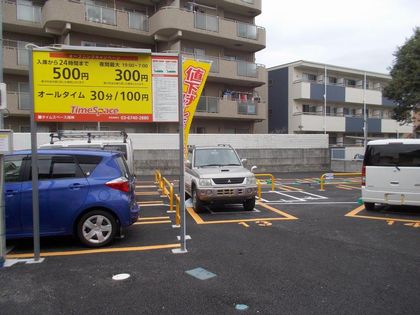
221, 31
297, 105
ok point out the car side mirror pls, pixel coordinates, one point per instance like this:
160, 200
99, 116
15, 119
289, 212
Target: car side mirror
243, 161
188, 163
253, 168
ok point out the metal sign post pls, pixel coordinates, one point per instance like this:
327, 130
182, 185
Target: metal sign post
183, 248
34, 164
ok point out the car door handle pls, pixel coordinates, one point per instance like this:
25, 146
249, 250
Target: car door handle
76, 186
394, 183
10, 193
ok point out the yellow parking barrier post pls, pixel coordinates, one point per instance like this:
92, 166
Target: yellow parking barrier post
271, 176
168, 190
177, 213
259, 188
323, 177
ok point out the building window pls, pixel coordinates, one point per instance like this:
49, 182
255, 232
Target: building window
351, 82
332, 80
328, 112
308, 108
201, 130
309, 77
23, 99
346, 111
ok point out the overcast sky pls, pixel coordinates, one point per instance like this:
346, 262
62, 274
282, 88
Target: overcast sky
361, 34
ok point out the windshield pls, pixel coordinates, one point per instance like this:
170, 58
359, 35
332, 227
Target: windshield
216, 157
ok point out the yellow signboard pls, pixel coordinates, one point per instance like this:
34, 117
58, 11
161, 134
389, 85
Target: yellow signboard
92, 86
194, 76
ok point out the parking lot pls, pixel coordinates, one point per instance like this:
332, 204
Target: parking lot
301, 250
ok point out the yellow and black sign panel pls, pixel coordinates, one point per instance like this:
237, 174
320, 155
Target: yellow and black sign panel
92, 86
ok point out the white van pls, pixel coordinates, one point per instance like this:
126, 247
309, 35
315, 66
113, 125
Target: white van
102, 140
391, 173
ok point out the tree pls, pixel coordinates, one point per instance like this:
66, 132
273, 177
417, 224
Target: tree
404, 87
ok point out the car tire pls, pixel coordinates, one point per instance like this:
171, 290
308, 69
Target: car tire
369, 206
96, 228
197, 203
249, 204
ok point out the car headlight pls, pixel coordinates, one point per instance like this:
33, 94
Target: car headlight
205, 182
251, 180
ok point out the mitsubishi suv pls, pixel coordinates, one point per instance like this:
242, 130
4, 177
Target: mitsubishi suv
215, 175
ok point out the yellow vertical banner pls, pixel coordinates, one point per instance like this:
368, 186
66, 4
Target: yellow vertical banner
194, 75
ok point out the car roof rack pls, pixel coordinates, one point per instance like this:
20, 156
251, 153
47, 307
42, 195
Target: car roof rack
89, 135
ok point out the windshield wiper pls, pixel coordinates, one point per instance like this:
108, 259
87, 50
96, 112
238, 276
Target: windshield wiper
232, 164
204, 165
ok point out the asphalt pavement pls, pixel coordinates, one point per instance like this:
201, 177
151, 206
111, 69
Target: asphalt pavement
301, 251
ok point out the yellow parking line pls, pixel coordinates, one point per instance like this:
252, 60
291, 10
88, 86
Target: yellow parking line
152, 222
195, 216
149, 202
198, 219
291, 188
152, 205
95, 251
145, 186
288, 216
152, 218
354, 214
350, 187
344, 187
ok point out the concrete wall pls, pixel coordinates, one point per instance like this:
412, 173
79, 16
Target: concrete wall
270, 152
346, 166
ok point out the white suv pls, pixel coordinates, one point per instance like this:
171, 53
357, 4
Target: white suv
215, 174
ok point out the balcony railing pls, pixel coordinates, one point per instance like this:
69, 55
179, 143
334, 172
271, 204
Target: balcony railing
206, 22
208, 104
247, 69
101, 15
246, 30
247, 108
138, 21
26, 11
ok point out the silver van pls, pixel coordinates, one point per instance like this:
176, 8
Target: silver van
391, 173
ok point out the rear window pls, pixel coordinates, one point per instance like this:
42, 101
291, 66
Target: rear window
88, 163
123, 166
394, 154
117, 147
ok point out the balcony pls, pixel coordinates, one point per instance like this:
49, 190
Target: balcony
244, 7
22, 17
96, 20
18, 103
234, 71
15, 57
207, 28
314, 122
338, 93
214, 107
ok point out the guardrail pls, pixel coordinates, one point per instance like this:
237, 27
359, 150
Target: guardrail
331, 176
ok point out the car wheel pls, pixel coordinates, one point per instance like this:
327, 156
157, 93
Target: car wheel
249, 204
197, 203
369, 206
96, 228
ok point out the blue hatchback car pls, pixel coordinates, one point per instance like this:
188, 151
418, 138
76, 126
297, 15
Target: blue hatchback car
89, 194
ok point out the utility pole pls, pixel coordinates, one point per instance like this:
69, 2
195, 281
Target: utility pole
365, 125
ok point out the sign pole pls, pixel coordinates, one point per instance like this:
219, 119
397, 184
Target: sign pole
2, 215
181, 157
34, 163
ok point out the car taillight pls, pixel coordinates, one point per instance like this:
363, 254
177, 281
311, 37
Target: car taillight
120, 183
363, 174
